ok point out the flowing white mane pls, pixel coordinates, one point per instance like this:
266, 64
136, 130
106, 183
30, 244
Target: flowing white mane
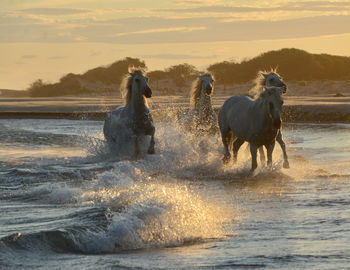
260, 81
196, 89
126, 84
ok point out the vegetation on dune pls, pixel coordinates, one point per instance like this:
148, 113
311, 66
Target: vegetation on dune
75, 84
292, 64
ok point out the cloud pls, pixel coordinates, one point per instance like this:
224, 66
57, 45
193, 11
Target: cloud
29, 56
297, 6
213, 9
195, 2
57, 57
55, 11
95, 53
161, 30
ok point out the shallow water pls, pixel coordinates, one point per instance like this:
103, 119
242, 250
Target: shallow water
66, 202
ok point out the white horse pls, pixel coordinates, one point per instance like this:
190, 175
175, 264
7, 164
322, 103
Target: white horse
135, 116
258, 122
202, 116
262, 81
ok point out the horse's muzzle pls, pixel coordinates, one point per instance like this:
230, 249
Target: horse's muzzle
148, 92
284, 88
209, 89
277, 123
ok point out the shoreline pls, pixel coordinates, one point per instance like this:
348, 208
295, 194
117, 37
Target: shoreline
316, 109
293, 114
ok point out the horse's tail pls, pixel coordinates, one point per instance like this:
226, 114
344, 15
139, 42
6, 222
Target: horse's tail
107, 127
224, 127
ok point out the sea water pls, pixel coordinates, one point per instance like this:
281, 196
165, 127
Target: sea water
67, 202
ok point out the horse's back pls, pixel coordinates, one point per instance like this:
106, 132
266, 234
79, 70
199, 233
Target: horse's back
234, 114
235, 105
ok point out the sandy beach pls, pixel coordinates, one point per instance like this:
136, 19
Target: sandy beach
296, 108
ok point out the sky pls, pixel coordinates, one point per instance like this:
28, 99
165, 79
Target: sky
47, 39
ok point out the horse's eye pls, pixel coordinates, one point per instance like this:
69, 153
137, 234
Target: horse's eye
271, 80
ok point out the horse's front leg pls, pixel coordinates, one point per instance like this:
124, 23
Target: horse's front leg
283, 147
152, 142
269, 149
253, 152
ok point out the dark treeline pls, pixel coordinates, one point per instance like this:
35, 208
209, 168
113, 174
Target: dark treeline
292, 64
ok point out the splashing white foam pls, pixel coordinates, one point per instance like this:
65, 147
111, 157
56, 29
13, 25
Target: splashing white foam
158, 215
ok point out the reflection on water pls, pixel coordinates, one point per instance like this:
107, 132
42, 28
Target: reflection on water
64, 196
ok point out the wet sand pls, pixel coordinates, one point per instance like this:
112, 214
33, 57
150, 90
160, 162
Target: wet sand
296, 108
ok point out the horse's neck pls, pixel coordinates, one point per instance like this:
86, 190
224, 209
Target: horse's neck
260, 114
204, 104
137, 107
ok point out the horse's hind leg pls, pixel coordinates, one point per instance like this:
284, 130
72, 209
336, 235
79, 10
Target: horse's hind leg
269, 149
236, 145
137, 147
152, 142
283, 147
262, 155
226, 136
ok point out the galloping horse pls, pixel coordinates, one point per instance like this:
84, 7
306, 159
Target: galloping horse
135, 116
202, 116
262, 81
258, 122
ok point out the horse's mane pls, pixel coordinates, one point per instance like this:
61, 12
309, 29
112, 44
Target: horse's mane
260, 81
196, 89
126, 84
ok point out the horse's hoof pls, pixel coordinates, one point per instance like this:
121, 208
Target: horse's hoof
226, 159
254, 166
136, 155
151, 151
286, 164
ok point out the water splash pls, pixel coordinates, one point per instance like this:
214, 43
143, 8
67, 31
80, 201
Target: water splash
153, 215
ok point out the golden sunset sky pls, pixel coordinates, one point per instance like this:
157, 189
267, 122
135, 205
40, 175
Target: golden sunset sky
49, 38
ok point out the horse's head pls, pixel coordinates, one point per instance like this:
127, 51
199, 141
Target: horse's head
141, 82
274, 101
272, 79
207, 83
204, 84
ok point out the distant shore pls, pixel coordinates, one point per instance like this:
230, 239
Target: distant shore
318, 109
